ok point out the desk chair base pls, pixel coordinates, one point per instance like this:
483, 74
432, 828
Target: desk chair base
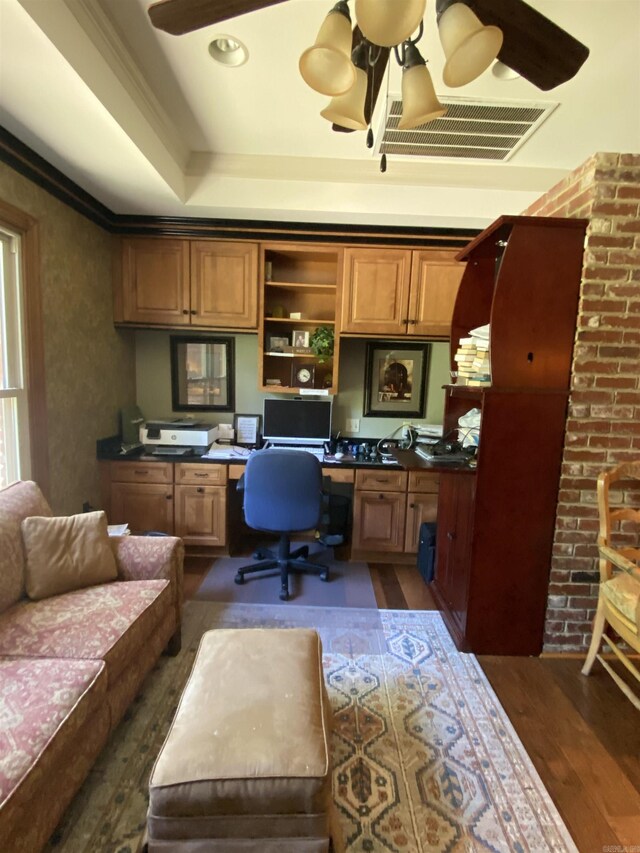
287, 561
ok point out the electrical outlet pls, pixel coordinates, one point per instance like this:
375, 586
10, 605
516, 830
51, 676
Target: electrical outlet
353, 425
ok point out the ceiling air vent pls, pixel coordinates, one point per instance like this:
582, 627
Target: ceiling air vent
469, 130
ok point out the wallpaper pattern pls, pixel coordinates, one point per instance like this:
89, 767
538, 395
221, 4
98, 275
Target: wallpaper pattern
89, 365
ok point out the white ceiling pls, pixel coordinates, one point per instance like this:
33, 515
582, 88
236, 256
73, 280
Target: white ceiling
148, 123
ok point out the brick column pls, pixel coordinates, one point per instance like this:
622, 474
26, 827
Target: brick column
603, 423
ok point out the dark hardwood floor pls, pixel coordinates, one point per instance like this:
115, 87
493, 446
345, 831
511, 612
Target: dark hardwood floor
582, 734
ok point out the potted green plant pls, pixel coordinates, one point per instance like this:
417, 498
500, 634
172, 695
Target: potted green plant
321, 343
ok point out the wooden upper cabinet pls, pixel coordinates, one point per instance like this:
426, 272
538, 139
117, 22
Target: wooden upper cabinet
155, 282
224, 284
399, 291
435, 279
376, 291
204, 283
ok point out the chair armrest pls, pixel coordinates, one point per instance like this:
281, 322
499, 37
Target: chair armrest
619, 560
151, 558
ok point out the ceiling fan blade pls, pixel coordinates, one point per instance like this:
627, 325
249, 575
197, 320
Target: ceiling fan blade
184, 16
375, 74
535, 47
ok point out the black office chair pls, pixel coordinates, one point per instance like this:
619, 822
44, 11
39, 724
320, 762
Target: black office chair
283, 494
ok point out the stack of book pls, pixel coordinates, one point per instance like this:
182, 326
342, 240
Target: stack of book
472, 358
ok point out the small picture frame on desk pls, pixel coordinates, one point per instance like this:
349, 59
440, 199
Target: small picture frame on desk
247, 429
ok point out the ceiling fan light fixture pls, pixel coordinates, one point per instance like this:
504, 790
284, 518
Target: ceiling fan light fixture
326, 66
389, 22
420, 103
228, 51
347, 110
469, 46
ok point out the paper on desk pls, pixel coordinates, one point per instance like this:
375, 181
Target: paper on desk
225, 451
117, 529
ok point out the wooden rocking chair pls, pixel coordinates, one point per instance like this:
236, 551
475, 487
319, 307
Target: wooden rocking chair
619, 594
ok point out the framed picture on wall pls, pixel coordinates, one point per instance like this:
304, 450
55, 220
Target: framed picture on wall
202, 374
395, 379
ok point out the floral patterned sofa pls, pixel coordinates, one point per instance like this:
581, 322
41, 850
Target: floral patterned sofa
70, 664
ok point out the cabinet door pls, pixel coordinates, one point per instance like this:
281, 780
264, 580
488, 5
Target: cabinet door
376, 291
453, 546
143, 506
224, 284
378, 521
155, 281
435, 278
420, 507
201, 514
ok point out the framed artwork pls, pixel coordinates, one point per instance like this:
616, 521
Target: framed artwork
202, 374
395, 379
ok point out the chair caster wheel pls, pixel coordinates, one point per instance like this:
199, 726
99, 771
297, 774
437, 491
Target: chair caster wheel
239, 579
284, 595
258, 555
324, 576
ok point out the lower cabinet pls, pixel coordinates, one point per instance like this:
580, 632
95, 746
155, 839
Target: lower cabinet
453, 546
201, 503
389, 507
141, 495
186, 499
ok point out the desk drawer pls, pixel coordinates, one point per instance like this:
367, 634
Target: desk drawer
338, 475
381, 481
200, 474
141, 472
424, 481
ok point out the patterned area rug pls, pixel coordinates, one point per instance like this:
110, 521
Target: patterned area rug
425, 758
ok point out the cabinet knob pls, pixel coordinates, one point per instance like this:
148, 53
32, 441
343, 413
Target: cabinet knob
200, 490
141, 471
169, 497
193, 311
380, 496
412, 322
185, 310
451, 536
201, 474
412, 506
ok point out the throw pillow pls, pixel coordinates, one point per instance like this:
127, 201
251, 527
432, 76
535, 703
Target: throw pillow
66, 553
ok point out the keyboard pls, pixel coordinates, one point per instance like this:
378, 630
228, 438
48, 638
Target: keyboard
317, 450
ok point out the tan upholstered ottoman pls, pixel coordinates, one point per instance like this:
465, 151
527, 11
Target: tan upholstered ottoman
245, 766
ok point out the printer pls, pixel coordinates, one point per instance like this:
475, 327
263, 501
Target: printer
178, 432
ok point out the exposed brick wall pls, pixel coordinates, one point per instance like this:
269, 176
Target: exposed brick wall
603, 423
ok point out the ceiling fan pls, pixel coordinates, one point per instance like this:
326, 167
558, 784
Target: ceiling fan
533, 46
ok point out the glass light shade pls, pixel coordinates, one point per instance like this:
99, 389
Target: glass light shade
348, 110
469, 46
389, 22
420, 103
326, 66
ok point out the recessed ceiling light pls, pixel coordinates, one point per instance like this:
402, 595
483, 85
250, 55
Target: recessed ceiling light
503, 72
227, 50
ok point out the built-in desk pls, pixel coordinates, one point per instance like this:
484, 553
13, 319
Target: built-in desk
197, 499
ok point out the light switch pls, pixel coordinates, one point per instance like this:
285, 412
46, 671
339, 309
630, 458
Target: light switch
353, 425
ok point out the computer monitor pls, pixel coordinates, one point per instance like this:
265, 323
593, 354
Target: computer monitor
296, 421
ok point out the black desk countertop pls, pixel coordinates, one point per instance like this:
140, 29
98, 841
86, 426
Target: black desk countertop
108, 450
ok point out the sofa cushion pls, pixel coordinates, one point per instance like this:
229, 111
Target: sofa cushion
66, 553
17, 501
109, 622
39, 699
